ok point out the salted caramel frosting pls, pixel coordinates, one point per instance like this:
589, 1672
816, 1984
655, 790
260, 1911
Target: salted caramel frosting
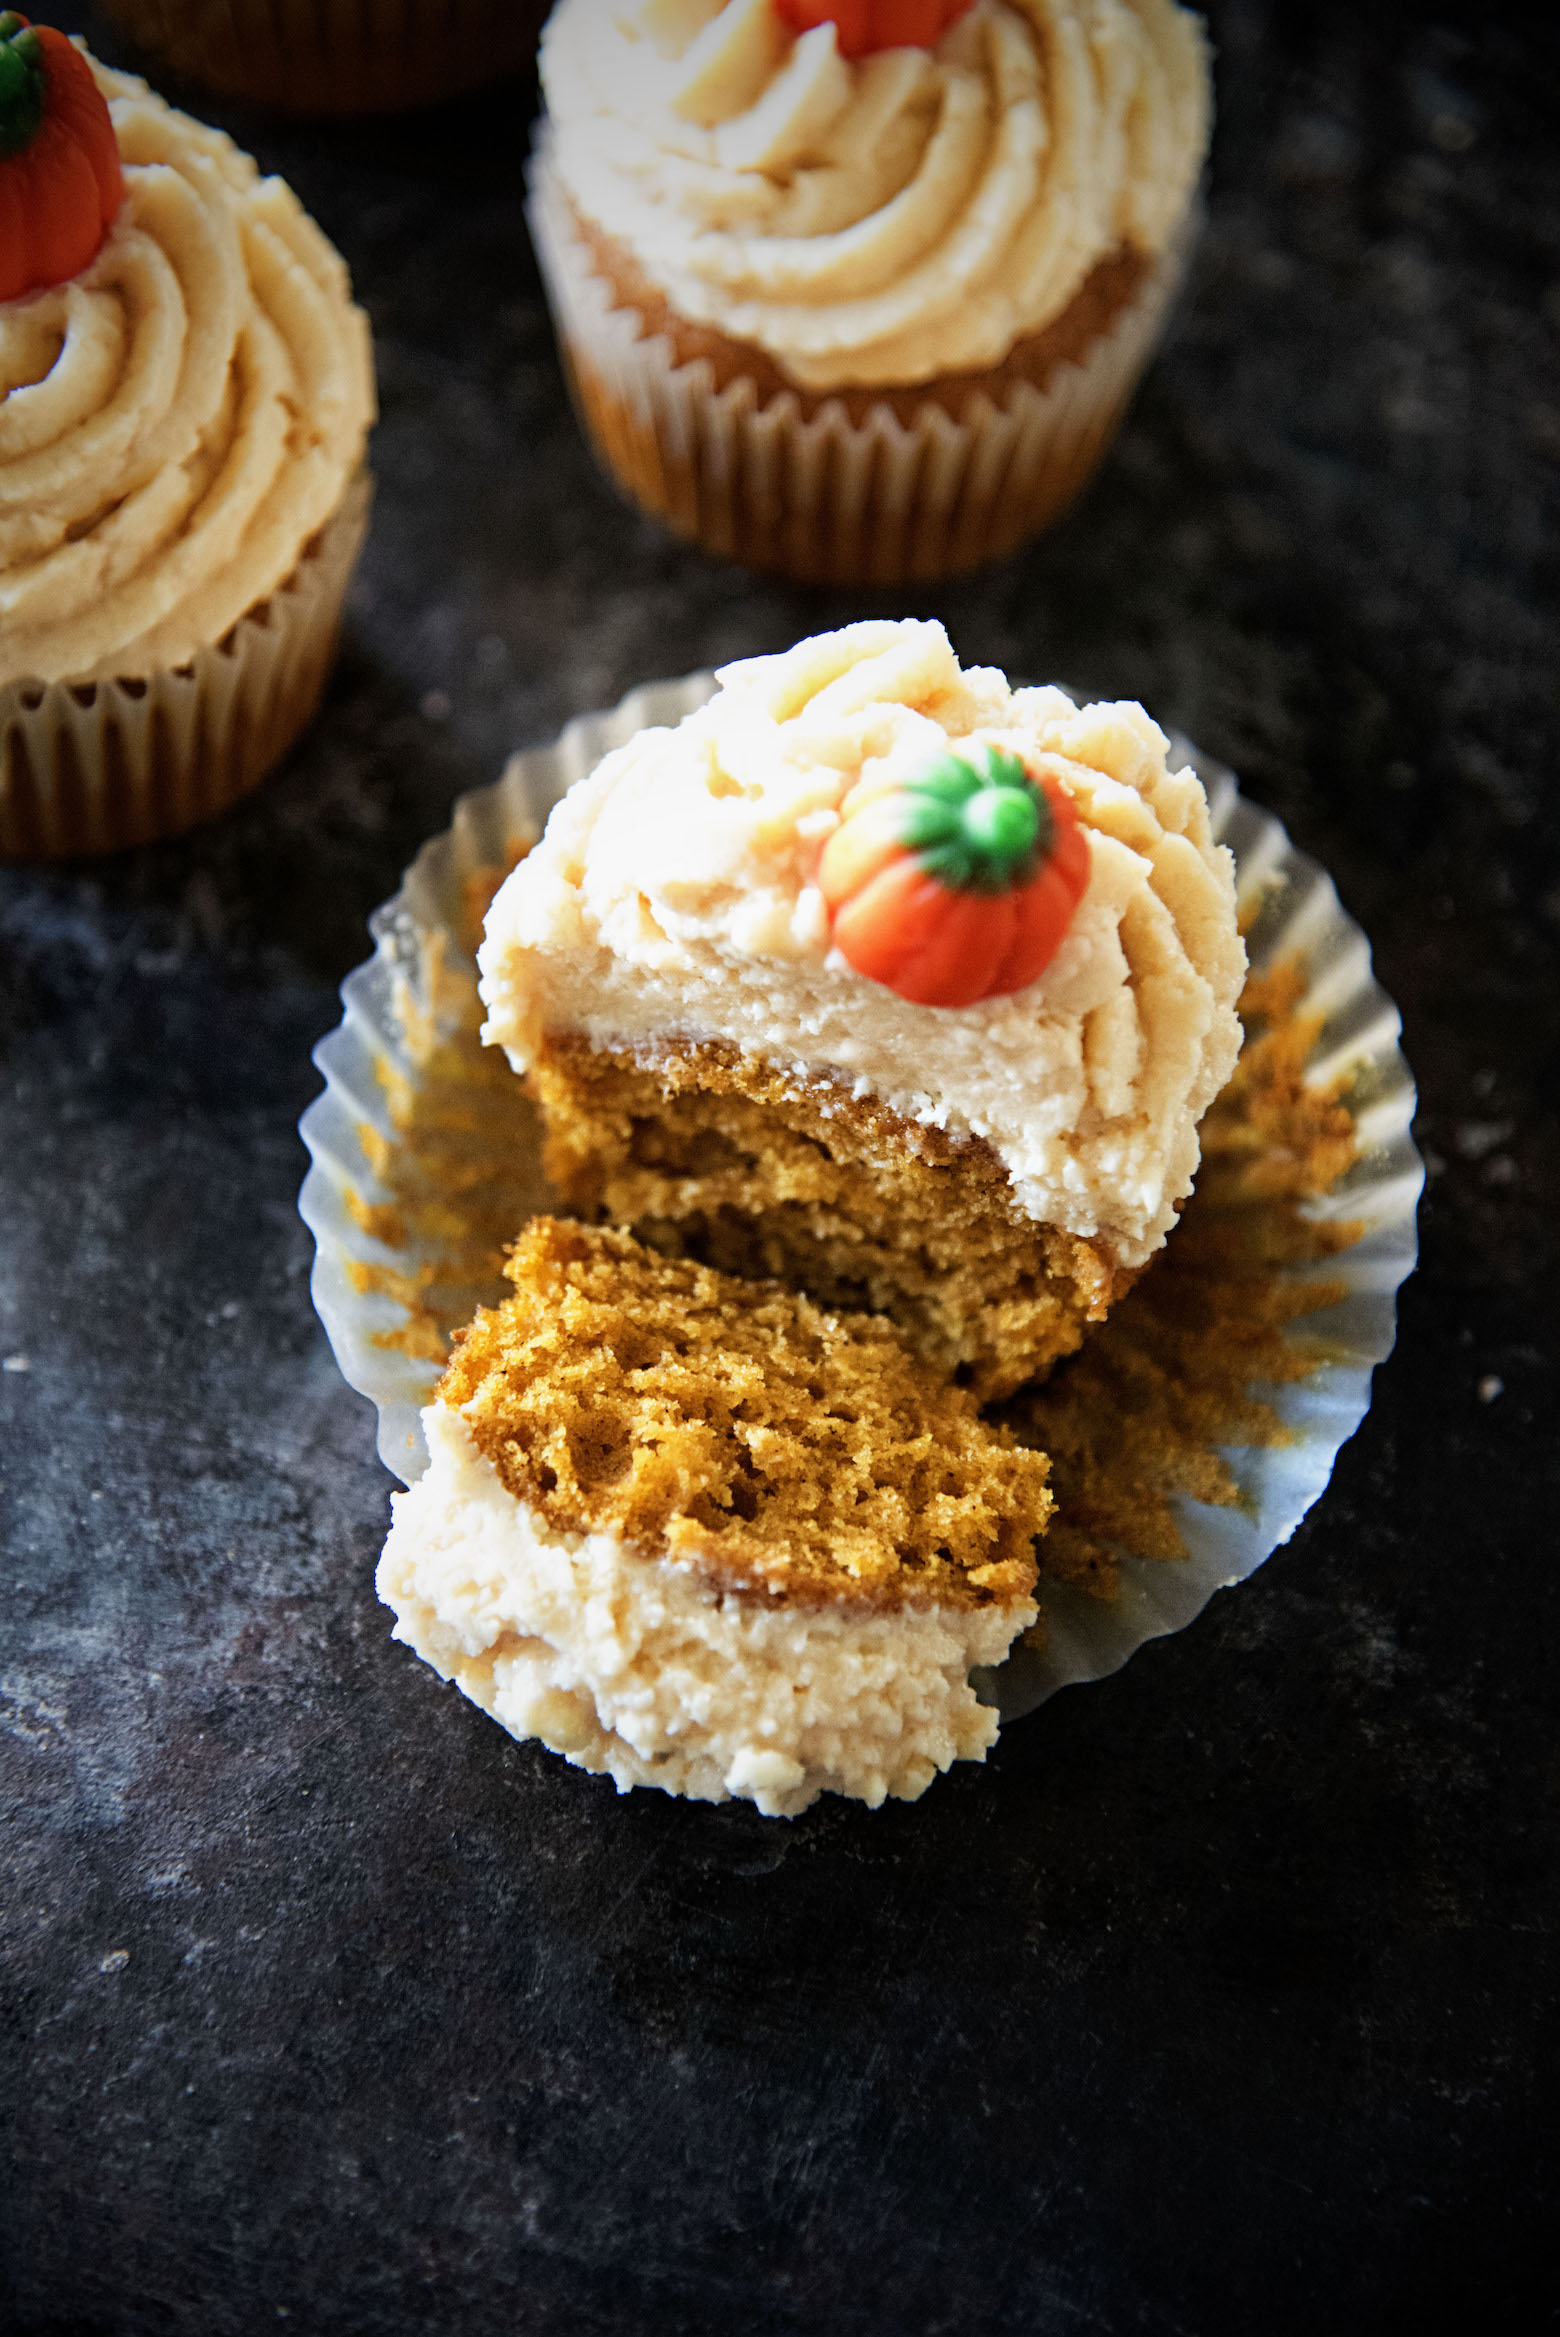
887, 219
674, 898
180, 419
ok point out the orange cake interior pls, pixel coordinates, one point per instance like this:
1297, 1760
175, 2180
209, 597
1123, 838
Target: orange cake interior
785, 1451
711, 1154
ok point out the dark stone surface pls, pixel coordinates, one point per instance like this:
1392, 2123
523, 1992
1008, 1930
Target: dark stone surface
1224, 2000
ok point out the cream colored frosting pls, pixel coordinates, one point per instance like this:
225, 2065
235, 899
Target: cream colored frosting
178, 420
672, 897
639, 1668
885, 220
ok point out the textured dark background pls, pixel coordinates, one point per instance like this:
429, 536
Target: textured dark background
1224, 1999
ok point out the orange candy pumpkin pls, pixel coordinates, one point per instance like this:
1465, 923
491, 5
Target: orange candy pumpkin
60, 180
959, 883
865, 25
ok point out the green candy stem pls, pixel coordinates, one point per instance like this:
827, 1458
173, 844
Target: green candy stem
1001, 822
976, 821
23, 88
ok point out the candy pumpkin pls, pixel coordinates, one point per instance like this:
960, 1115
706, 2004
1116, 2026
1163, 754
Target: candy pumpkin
959, 882
865, 25
60, 181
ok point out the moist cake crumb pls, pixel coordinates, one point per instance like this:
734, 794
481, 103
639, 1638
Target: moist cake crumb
784, 1451
706, 1152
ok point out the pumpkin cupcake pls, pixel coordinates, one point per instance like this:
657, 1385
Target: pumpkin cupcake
886, 980
185, 394
336, 56
858, 290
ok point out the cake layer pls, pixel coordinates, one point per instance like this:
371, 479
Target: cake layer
781, 1451
674, 898
707, 1153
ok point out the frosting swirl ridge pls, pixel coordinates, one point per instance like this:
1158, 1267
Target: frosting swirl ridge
912, 213
178, 420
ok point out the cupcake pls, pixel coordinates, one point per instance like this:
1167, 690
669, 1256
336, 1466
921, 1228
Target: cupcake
336, 56
185, 394
886, 980
704, 1535
858, 291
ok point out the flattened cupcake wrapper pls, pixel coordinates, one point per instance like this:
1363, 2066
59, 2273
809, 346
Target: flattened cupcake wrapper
418, 992
829, 500
98, 766
336, 56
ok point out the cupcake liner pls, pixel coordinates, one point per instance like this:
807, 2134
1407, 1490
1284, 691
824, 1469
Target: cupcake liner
336, 56
825, 499
415, 1000
97, 766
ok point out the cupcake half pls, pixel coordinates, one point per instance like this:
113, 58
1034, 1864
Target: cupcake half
851, 307
885, 979
705, 1535
182, 487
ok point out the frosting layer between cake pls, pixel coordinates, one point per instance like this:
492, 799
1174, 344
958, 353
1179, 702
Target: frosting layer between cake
909, 214
641, 1668
673, 898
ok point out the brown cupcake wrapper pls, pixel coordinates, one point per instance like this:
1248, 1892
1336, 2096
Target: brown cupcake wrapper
336, 56
816, 495
88, 767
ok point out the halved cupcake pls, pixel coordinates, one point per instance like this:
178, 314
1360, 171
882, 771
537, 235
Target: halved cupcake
703, 1534
886, 979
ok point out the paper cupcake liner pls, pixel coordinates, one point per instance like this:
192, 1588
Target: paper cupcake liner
336, 56
419, 989
97, 766
825, 499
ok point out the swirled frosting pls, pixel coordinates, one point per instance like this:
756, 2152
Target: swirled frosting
673, 897
178, 420
910, 214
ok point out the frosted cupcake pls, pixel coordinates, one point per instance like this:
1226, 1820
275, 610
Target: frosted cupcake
701, 1534
887, 980
858, 292
336, 56
185, 395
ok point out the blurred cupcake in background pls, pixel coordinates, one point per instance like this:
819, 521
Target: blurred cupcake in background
336, 56
858, 290
185, 395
